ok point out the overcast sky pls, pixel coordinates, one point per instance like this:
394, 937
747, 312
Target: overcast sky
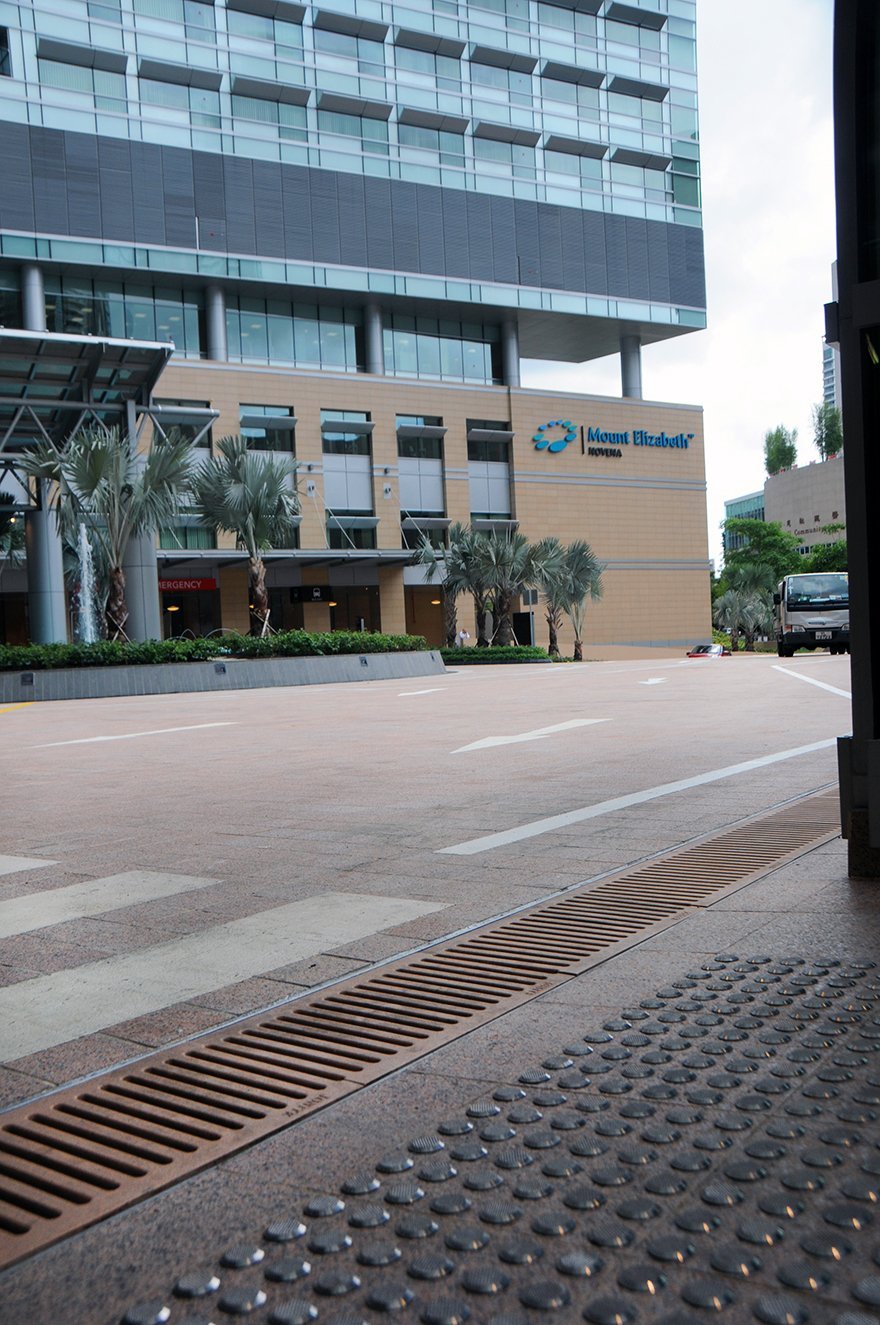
768, 219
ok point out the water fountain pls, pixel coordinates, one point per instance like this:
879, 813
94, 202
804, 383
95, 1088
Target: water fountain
88, 615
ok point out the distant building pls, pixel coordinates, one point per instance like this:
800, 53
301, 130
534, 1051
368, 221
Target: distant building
831, 375
805, 499
749, 507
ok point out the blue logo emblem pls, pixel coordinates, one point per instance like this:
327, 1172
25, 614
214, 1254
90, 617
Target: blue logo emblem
547, 437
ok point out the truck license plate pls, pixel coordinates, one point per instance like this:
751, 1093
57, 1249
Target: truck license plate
823, 634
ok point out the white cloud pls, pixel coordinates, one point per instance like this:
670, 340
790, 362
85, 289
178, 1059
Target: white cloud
768, 199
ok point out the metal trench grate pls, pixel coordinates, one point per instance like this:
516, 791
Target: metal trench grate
81, 1154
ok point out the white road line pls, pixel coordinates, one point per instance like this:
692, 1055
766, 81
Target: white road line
130, 736
52, 1009
539, 826
12, 864
811, 680
537, 735
433, 691
92, 898
654, 681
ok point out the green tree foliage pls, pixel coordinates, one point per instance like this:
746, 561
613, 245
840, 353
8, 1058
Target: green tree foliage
827, 556
780, 449
252, 495
461, 571
100, 481
827, 430
767, 544
510, 563
571, 576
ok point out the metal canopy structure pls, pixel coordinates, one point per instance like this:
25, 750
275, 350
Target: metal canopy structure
51, 384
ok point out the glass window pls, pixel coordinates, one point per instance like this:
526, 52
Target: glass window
184, 427
276, 331
106, 89
583, 26
200, 105
291, 120
640, 108
198, 16
373, 134
268, 436
342, 539
420, 448
5, 61
493, 452
517, 85
645, 40
370, 55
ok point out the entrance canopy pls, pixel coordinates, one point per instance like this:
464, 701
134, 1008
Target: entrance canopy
53, 384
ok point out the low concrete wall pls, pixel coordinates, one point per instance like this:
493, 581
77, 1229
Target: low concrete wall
219, 674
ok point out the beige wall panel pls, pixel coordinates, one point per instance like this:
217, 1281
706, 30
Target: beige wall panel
392, 606
234, 610
316, 617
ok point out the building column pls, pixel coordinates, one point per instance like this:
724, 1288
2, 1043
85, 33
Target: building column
33, 297
510, 352
47, 603
215, 323
373, 342
140, 567
631, 367
392, 602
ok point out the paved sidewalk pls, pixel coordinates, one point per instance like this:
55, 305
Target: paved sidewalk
689, 1128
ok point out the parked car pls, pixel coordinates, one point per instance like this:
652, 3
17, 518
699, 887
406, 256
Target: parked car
708, 651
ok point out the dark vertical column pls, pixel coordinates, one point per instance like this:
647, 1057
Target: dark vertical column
631, 367
140, 567
47, 604
854, 322
373, 343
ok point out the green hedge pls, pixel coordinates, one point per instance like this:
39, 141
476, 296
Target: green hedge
517, 653
287, 644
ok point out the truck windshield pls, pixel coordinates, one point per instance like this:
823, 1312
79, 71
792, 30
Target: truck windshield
806, 591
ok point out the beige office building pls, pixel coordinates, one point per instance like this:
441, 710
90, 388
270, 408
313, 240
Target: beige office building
807, 498
381, 463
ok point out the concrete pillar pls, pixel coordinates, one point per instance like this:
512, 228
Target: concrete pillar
631, 367
373, 342
215, 323
33, 298
47, 605
510, 352
140, 568
392, 602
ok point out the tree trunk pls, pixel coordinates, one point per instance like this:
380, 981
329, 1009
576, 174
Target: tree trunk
450, 619
553, 624
116, 610
258, 597
481, 612
504, 608
578, 650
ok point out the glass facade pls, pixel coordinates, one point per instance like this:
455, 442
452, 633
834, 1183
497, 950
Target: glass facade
512, 74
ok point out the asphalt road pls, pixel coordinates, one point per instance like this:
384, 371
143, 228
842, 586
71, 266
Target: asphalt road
172, 861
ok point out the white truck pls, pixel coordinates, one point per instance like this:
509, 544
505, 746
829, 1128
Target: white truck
812, 612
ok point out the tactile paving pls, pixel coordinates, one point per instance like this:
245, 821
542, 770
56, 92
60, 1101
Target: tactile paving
748, 1187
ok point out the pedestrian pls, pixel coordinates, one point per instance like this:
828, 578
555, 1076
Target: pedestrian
462, 637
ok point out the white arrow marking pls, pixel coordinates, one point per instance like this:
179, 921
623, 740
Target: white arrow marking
537, 735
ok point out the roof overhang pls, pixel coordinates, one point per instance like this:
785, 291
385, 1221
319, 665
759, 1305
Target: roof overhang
50, 384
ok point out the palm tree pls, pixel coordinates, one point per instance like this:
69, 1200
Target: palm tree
100, 481
577, 579
510, 563
755, 583
729, 613
252, 495
460, 568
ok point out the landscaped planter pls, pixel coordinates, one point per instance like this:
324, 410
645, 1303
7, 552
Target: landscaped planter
218, 674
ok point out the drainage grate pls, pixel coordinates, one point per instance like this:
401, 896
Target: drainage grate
75, 1157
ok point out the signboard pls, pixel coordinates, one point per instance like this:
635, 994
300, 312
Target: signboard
556, 435
311, 593
186, 586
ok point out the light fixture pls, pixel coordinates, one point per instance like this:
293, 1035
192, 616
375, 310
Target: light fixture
435, 602
172, 607
332, 603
